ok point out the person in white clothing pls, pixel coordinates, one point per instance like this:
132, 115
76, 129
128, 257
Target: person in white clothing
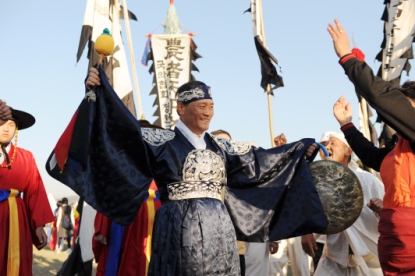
354, 250
64, 233
290, 249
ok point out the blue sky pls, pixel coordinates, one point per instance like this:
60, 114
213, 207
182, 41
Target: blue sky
38, 72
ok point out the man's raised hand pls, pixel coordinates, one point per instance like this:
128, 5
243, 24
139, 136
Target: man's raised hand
342, 111
340, 38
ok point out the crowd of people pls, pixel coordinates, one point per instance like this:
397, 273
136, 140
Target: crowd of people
208, 205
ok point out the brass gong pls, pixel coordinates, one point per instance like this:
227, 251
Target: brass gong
340, 193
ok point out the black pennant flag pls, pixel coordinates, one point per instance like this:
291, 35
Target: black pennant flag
268, 61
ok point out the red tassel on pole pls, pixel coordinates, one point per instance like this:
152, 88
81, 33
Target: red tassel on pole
358, 54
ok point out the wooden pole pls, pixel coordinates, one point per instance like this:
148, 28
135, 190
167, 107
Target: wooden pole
271, 128
269, 96
131, 49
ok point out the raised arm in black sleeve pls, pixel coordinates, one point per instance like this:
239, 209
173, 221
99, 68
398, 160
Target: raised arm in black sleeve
370, 155
388, 101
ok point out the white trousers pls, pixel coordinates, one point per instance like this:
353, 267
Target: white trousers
259, 262
257, 259
328, 267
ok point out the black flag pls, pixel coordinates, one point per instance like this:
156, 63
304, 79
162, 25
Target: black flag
268, 71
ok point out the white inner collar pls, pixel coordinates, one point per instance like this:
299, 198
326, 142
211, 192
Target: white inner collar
197, 141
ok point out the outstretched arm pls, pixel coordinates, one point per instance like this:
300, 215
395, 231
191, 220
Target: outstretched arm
281, 140
370, 155
388, 101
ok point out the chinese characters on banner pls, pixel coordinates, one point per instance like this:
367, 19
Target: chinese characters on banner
171, 54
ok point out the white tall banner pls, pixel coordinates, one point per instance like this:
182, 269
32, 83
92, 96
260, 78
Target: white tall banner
171, 55
120, 73
400, 29
101, 14
256, 12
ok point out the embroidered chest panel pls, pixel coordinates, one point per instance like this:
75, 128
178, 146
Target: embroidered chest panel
204, 165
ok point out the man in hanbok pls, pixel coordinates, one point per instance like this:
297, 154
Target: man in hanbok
354, 250
24, 206
270, 194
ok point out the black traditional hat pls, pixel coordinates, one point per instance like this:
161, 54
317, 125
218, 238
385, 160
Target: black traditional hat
193, 91
22, 119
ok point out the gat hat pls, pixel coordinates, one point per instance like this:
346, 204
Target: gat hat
193, 91
326, 136
22, 119
340, 136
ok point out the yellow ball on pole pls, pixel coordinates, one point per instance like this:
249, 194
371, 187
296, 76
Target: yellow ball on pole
104, 45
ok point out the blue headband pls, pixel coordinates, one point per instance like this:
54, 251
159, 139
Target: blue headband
200, 92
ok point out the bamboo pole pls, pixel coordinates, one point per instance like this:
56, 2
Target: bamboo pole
131, 49
271, 125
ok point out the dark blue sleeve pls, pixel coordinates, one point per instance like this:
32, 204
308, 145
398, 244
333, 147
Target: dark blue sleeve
107, 163
270, 194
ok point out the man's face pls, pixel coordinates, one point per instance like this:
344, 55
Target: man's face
338, 151
196, 115
7, 131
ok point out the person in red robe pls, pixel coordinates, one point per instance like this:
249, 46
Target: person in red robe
24, 206
135, 249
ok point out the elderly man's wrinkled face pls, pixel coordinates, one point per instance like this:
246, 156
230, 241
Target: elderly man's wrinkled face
7, 131
196, 115
338, 151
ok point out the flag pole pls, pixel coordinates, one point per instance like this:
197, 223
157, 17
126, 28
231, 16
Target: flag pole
131, 49
271, 125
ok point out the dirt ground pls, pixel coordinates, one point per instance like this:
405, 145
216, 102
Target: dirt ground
47, 262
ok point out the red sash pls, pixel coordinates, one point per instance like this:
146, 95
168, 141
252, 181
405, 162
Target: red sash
396, 245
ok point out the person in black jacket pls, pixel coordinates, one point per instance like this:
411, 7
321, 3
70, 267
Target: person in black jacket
396, 106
